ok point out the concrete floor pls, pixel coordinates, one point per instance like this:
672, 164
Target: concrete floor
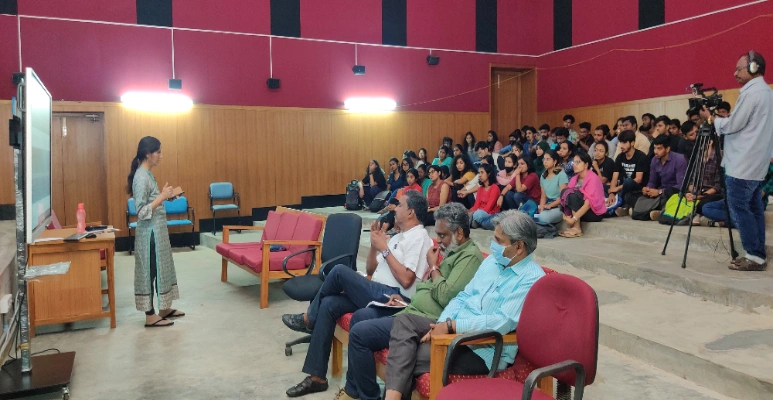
228, 348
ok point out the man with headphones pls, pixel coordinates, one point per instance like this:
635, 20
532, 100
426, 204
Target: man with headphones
748, 134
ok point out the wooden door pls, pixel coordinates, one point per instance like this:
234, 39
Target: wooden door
78, 167
513, 100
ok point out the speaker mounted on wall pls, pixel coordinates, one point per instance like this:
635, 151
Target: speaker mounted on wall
273, 83
175, 84
358, 69
433, 60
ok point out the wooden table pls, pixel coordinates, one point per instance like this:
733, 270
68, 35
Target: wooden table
76, 295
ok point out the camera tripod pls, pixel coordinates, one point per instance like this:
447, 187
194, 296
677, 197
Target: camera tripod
693, 183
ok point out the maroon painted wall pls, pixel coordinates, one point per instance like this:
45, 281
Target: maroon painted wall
97, 62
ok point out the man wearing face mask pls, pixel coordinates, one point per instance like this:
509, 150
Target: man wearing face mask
492, 300
461, 259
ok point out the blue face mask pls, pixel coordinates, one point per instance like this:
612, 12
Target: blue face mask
497, 250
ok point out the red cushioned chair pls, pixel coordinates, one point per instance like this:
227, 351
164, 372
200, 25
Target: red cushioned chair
558, 332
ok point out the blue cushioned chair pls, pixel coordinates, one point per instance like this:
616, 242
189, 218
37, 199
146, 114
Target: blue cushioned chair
131, 212
223, 191
180, 206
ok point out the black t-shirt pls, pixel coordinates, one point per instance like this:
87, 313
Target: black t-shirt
628, 168
607, 168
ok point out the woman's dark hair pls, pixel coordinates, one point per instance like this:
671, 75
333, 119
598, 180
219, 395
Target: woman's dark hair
459, 146
444, 148
425, 154
455, 173
604, 128
413, 172
147, 146
491, 172
605, 145
422, 167
529, 165
514, 158
518, 135
556, 167
466, 146
409, 161
494, 140
584, 157
490, 160
572, 149
376, 173
399, 167
444, 172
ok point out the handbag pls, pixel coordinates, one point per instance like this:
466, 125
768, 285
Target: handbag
643, 206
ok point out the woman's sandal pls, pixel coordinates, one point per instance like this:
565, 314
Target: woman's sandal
156, 325
571, 233
174, 314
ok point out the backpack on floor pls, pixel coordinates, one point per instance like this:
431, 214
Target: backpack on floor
685, 210
352, 196
641, 211
379, 202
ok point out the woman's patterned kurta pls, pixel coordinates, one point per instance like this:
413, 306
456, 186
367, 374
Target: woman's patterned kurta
149, 221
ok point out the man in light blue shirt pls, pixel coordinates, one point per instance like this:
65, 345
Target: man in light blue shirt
748, 144
492, 300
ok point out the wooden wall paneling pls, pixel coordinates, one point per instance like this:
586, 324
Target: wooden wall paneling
350, 151
118, 157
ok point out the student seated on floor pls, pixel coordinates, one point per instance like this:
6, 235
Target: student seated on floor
523, 188
443, 157
602, 134
468, 145
423, 156
603, 166
458, 150
583, 198
631, 174
482, 148
530, 142
493, 143
411, 179
566, 151
485, 207
463, 181
641, 141
424, 180
396, 177
515, 143
552, 182
461, 259
397, 266
448, 142
541, 148
667, 172
438, 194
711, 187
584, 138
373, 183
690, 134
511, 270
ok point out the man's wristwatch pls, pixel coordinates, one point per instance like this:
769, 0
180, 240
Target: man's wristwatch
450, 325
385, 253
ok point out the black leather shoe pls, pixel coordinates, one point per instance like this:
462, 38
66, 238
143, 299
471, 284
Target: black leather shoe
305, 387
295, 322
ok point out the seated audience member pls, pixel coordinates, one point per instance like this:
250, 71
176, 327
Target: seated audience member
396, 177
631, 173
602, 134
540, 150
461, 260
583, 199
424, 178
561, 136
584, 137
523, 188
505, 176
444, 172
423, 156
723, 109
373, 183
463, 181
690, 133
714, 214
511, 269
603, 166
572, 134
397, 265
552, 182
641, 142
667, 172
448, 142
438, 194
443, 157
566, 153
492, 140
469, 147
544, 134
485, 207
711, 187
413, 157
647, 124
406, 164
530, 144
458, 150
483, 150
694, 116
411, 183
660, 128
675, 133
514, 143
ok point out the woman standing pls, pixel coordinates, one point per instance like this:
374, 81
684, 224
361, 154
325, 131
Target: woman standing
153, 263
583, 200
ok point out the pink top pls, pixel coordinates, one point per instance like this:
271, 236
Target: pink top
593, 190
497, 146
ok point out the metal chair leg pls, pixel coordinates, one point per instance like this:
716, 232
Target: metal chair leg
289, 345
214, 221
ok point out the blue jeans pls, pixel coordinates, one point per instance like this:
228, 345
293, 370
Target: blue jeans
343, 291
513, 199
365, 339
484, 219
715, 211
630, 193
747, 212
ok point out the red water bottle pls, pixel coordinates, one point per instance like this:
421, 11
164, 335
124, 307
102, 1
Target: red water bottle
81, 216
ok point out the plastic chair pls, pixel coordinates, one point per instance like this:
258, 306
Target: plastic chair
558, 332
223, 191
180, 206
340, 245
131, 212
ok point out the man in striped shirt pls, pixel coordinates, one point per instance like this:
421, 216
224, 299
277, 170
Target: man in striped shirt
492, 300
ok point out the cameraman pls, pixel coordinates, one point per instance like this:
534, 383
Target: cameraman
748, 145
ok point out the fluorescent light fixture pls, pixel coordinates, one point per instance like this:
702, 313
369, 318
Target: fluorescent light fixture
370, 104
157, 102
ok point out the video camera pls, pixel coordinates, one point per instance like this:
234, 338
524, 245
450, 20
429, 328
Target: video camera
711, 101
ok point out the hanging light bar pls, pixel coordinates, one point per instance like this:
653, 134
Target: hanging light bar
157, 102
370, 104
